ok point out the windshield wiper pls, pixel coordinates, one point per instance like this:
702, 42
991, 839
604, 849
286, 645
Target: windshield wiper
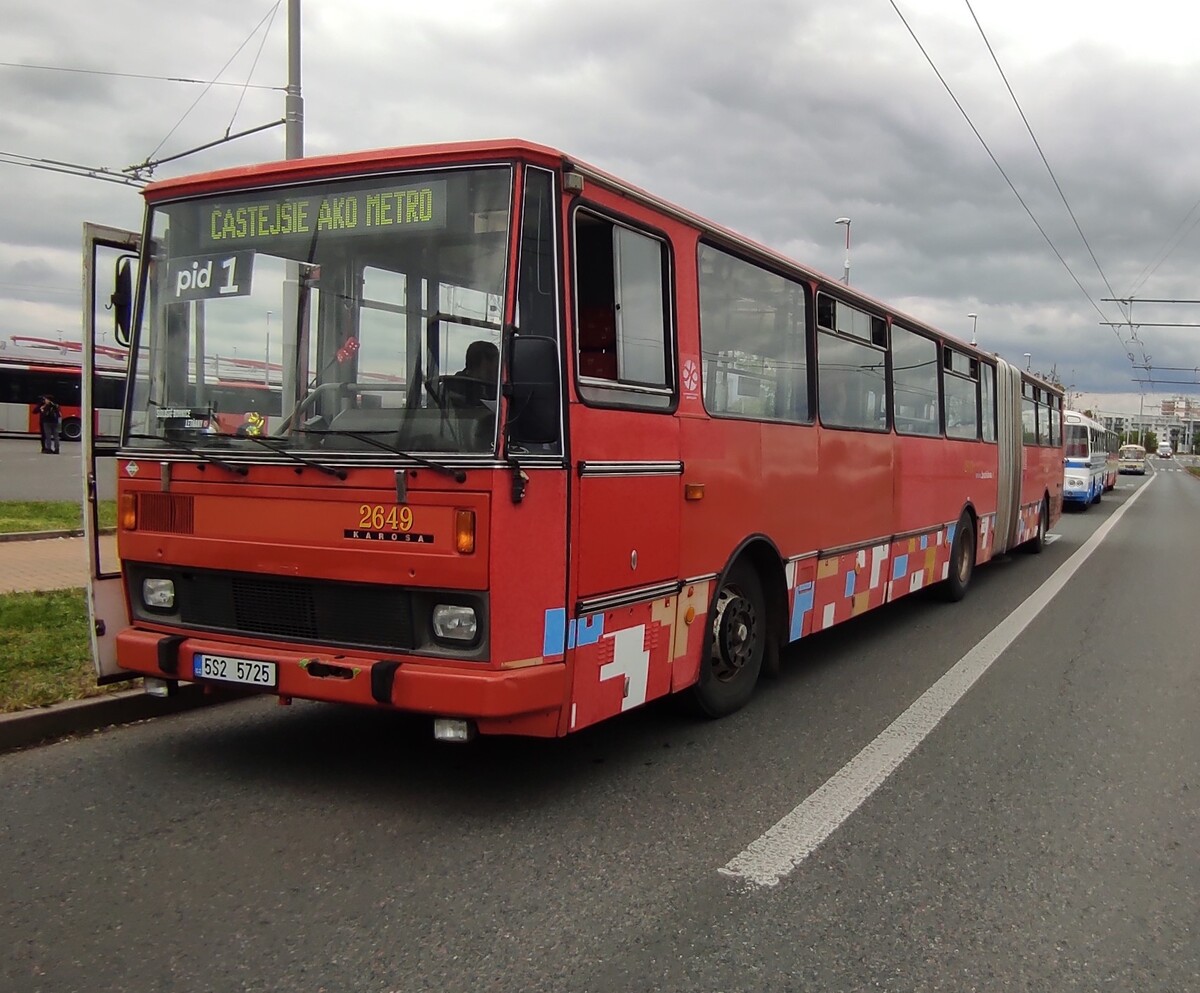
238, 470
279, 450
458, 475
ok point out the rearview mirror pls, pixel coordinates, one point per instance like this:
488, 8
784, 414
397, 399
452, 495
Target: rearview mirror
122, 300
535, 410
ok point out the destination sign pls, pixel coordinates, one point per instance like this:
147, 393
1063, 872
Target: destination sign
263, 220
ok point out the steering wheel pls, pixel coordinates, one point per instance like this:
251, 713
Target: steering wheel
467, 389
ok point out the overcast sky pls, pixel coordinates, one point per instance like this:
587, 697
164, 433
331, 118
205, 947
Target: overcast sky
770, 117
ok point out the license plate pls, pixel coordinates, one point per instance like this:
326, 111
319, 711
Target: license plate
231, 670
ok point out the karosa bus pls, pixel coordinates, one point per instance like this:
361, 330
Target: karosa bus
694, 453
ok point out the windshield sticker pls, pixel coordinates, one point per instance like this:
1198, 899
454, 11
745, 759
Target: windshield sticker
210, 277
183, 419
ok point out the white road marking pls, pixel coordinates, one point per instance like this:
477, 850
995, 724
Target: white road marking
796, 836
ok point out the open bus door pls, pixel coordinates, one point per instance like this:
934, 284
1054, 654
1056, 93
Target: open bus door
110, 259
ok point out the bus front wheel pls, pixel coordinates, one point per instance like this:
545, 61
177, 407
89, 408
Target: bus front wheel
737, 640
72, 430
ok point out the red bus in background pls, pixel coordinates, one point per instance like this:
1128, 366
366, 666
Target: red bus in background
549, 447
31, 368
29, 372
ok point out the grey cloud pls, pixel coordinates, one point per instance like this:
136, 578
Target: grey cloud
770, 118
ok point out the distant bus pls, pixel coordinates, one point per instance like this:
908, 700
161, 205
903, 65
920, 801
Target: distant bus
23, 383
31, 368
1131, 459
1090, 463
240, 407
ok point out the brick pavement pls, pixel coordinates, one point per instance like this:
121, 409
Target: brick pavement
50, 563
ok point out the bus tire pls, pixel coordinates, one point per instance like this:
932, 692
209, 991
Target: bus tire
1038, 542
72, 429
962, 561
737, 640
1099, 493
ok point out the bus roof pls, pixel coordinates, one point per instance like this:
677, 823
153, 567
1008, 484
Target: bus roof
457, 153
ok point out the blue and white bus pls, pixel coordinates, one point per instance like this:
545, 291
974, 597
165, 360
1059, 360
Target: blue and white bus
1090, 463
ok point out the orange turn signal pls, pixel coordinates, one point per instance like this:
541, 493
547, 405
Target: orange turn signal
464, 531
128, 512
693, 491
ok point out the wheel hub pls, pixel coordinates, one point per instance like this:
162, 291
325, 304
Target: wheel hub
735, 633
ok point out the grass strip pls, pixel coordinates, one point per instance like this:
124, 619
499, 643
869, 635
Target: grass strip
50, 515
45, 652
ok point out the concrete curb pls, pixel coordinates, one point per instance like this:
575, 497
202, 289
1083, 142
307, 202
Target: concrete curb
39, 535
34, 727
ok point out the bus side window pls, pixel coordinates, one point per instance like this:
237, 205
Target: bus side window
622, 331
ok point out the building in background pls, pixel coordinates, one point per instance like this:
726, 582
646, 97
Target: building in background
1177, 421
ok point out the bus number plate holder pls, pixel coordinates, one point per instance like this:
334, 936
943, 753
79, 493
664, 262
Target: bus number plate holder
249, 672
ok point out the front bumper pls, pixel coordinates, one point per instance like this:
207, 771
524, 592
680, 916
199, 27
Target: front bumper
521, 701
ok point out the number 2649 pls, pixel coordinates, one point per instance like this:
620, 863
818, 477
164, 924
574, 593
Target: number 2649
376, 517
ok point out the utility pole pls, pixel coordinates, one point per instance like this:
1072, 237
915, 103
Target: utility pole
294, 105
292, 375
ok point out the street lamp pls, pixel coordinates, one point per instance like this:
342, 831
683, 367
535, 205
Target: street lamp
1028, 356
846, 273
974, 319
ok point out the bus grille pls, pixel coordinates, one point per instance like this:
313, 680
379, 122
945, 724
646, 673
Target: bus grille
171, 513
317, 611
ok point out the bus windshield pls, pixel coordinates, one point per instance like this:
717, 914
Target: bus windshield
366, 311
1077, 442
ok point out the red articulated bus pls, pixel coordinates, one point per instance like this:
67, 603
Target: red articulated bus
31, 368
549, 447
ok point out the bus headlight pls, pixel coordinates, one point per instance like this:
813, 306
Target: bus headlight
454, 623
158, 593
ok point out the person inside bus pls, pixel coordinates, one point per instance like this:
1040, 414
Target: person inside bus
483, 362
49, 421
475, 383
471, 393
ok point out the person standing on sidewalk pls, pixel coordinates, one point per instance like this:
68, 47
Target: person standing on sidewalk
49, 420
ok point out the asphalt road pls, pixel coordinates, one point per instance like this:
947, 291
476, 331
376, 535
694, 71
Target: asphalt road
27, 474
1044, 837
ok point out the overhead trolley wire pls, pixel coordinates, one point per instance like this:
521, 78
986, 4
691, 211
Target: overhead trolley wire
1053, 178
270, 14
139, 75
995, 161
1037, 144
1169, 246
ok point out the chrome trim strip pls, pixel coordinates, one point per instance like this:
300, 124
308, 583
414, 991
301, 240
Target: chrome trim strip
616, 385
598, 468
920, 532
343, 462
885, 540
708, 577
599, 604
825, 553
